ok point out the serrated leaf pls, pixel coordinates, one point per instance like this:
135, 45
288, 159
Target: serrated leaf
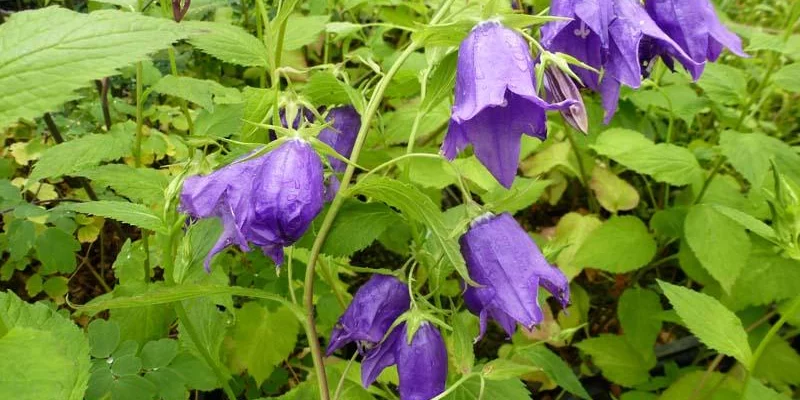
638, 311
302, 30
262, 339
129, 213
38, 45
524, 192
140, 184
788, 78
441, 81
56, 250
612, 192
461, 341
621, 244
720, 244
768, 278
417, 207
747, 221
724, 84
617, 359
45, 356
750, 154
358, 225
712, 323
21, 238
571, 232
555, 368
84, 152
511, 389
227, 42
664, 162
202, 92
501, 369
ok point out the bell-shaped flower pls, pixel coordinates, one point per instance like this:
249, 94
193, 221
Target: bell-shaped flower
495, 100
607, 36
510, 268
341, 135
287, 195
694, 25
269, 201
559, 87
421, 364
374, 308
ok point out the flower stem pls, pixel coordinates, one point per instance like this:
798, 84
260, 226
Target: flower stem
454, 386
137, 154
327, 223
582, 170
275, 77
794, 307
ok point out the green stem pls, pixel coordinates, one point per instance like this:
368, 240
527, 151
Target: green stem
455, 386
327, 223
794, 307
173, 65
180, 310
137, 153
343, 378
593, 206
290, 255
707, 182
276, 63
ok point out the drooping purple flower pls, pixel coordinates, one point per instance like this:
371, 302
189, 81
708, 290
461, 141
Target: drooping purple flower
510, 268
269, 201
421, 365
692, 24
303, 115
495, 100
608, 36
374, 308
341, 135
559, 87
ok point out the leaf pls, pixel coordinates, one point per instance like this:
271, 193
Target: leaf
129, 213
139, 184
720, 244
302, 30
45, 356
202, 92
84, 152
441, 81
36, 46
712, 323
461, 341
56, 250
158, 354
687, 386
357, 225
617, 359
638, 311
788, 78
621, 244
227, 42
750, 154
724, 84
103, 337
664, 162
571, 232
511, 389
417, 207
768, 278
501, 369
613, 193
779, 364
555, 368
747, 221
140, 324
324, 88
524, 192
262, 339
21, 238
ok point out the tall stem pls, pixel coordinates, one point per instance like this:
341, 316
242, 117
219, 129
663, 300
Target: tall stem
137, 154
276, 63
327, 223
582, 170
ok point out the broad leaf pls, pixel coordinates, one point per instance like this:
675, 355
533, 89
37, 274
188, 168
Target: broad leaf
140, 184
358, 225
129, 213
617, 359
621, 244
638, 311
712, 323
720, 244
555, 368
202, 92
47, 54
511, 389
227, 42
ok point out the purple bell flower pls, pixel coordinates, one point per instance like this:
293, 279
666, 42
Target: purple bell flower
269, 201
374, 308
608, 35
495, 100
421, 365
341, 135
559, 87
510, 268
694, 26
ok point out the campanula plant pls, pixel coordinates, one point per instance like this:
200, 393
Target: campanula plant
414, 171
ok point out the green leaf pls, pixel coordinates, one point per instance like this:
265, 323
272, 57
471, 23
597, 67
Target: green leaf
524, 192
158, 354
768, 278
132, 387
747, 221
45, 356
687, 386
56, 250
85, 152
555, 368
621, 244
724, 84
441, 81
720, 244
126, 365
779, 364
202, 92
572, 231
638, 311
262, 339
302, 30
357, 225
712, 323
21, 238
750, 154
417, 207
511, 389
129, 213
664, 162
324, 88
257, 103
617, 359
788, 78
36, 46
613, 193
501, 369
223, 122
139, 184
56, 287
103, 337
140, 324
170, 384
757, 391
461, 341
227, 42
